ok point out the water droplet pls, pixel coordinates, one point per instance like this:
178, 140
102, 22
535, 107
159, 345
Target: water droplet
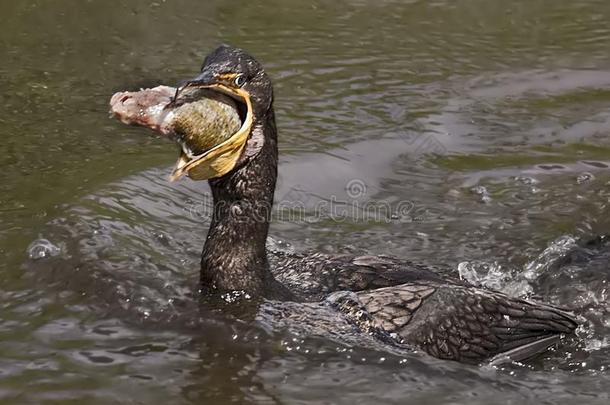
42, 249
490, 275
162, 238
584, 178
482, 191
526, 180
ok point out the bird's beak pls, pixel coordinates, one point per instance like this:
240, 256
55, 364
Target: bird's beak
222, 158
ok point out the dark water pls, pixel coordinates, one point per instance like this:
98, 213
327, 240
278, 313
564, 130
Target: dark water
468, 135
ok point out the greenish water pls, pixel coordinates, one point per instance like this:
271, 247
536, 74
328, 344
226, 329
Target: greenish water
490, 118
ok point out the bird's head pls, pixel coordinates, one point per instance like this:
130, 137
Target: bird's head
235, 73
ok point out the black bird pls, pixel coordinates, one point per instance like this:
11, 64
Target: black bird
395, 299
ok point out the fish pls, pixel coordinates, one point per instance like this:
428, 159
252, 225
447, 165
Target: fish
197, 119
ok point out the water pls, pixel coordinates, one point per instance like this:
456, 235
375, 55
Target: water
472, 132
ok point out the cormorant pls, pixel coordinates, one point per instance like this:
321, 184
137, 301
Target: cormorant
446, 317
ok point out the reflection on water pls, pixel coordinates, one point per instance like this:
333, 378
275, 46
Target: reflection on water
486, 120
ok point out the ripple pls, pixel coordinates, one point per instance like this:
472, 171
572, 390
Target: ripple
510, 96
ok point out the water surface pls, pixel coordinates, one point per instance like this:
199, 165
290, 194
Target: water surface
473, 132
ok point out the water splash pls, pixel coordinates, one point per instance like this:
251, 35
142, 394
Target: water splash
484, 274
585, 177
551, 256
42, 249
493, 276
483, 193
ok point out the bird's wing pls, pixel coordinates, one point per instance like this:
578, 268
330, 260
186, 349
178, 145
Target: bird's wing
462, 323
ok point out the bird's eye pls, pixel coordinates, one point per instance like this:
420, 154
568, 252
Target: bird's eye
239, 80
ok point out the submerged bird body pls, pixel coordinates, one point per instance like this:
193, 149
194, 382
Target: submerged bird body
393, 299
408, 303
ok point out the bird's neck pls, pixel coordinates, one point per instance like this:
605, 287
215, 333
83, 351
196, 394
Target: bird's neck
234, 254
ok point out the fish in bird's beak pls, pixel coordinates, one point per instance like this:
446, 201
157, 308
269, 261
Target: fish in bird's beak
223, 157
210, 121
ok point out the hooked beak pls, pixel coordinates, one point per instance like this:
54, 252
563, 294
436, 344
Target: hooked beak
222, 158
204, 80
